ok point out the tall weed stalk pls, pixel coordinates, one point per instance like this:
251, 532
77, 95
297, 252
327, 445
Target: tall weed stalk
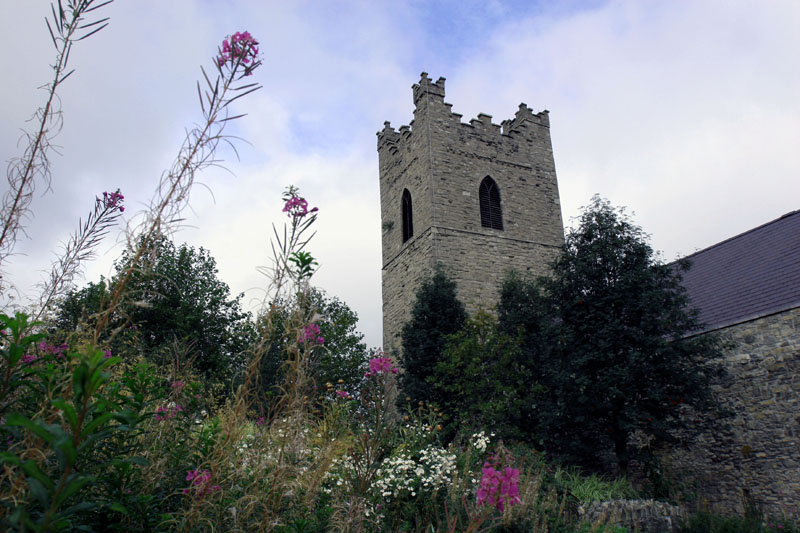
67, 26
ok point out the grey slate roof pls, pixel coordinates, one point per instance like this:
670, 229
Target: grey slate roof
751, 275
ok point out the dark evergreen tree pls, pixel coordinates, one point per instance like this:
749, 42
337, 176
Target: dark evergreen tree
615, 342
436, 313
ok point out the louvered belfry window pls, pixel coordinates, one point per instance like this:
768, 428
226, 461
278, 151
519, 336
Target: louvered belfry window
489, 194
408, 218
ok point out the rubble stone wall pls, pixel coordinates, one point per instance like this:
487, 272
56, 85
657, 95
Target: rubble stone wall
754, 456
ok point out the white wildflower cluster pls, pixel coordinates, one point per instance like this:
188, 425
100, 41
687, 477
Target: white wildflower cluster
480, 441
402, 475
336, 476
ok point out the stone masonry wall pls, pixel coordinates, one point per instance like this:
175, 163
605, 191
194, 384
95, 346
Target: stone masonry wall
634, 515
442, 161
755, 454
401, 277
480, 274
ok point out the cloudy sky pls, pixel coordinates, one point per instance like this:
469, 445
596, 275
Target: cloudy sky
686, 112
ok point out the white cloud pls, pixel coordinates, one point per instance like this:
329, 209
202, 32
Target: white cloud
684, 111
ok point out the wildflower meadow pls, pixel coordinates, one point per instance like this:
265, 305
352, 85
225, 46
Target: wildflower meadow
100, 434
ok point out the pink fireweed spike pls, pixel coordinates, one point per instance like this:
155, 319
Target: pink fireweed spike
498, 487
311, 335
380, 365
239, 49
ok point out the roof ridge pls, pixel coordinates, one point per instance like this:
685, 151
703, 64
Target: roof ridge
742, 234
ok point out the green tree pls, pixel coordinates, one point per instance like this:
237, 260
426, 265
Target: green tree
177, 298
483, 380
436, 314
611, 333
342, 356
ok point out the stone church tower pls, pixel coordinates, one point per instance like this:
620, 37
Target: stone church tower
479, 198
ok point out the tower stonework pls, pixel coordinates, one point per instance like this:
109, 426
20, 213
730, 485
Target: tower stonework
451, 214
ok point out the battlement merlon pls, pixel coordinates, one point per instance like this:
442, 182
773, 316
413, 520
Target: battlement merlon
524, 114
388, 137
427, 88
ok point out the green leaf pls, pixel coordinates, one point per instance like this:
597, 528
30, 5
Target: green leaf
78, 507
39, 491
118, 507
10, 458
37, 428
69, 412
34, 472
99, 421
76, 482
79, 381
65, 450
141, 461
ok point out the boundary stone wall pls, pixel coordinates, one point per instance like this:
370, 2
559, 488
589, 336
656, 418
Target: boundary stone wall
754, 456
635, 515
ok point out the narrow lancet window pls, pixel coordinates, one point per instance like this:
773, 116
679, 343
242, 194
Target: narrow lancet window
408, 218
489, 195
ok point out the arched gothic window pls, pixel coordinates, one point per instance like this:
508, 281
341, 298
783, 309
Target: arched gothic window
489, 195
408, 218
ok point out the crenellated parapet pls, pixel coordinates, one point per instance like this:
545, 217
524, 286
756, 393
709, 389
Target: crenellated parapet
431, 109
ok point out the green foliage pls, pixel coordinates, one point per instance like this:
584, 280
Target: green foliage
483, 380
609, 333
18, 380
180, 300
342, 356
79, 419
436, 314
593, 488
304, 264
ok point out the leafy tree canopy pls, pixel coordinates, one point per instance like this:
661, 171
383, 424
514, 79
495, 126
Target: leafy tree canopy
176, 298
610, 334
342, 356
483, 380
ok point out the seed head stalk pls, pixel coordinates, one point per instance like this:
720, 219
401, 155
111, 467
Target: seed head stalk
196, 153
69, 27
79, 249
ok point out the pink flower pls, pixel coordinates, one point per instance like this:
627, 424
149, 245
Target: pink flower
106, 354
342, 394
112, 200
29, 358
296, 206
240, 49
380, 365
498, 487
260, 421
177, 385
200, 482
52, 349
167, 413
311, 335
